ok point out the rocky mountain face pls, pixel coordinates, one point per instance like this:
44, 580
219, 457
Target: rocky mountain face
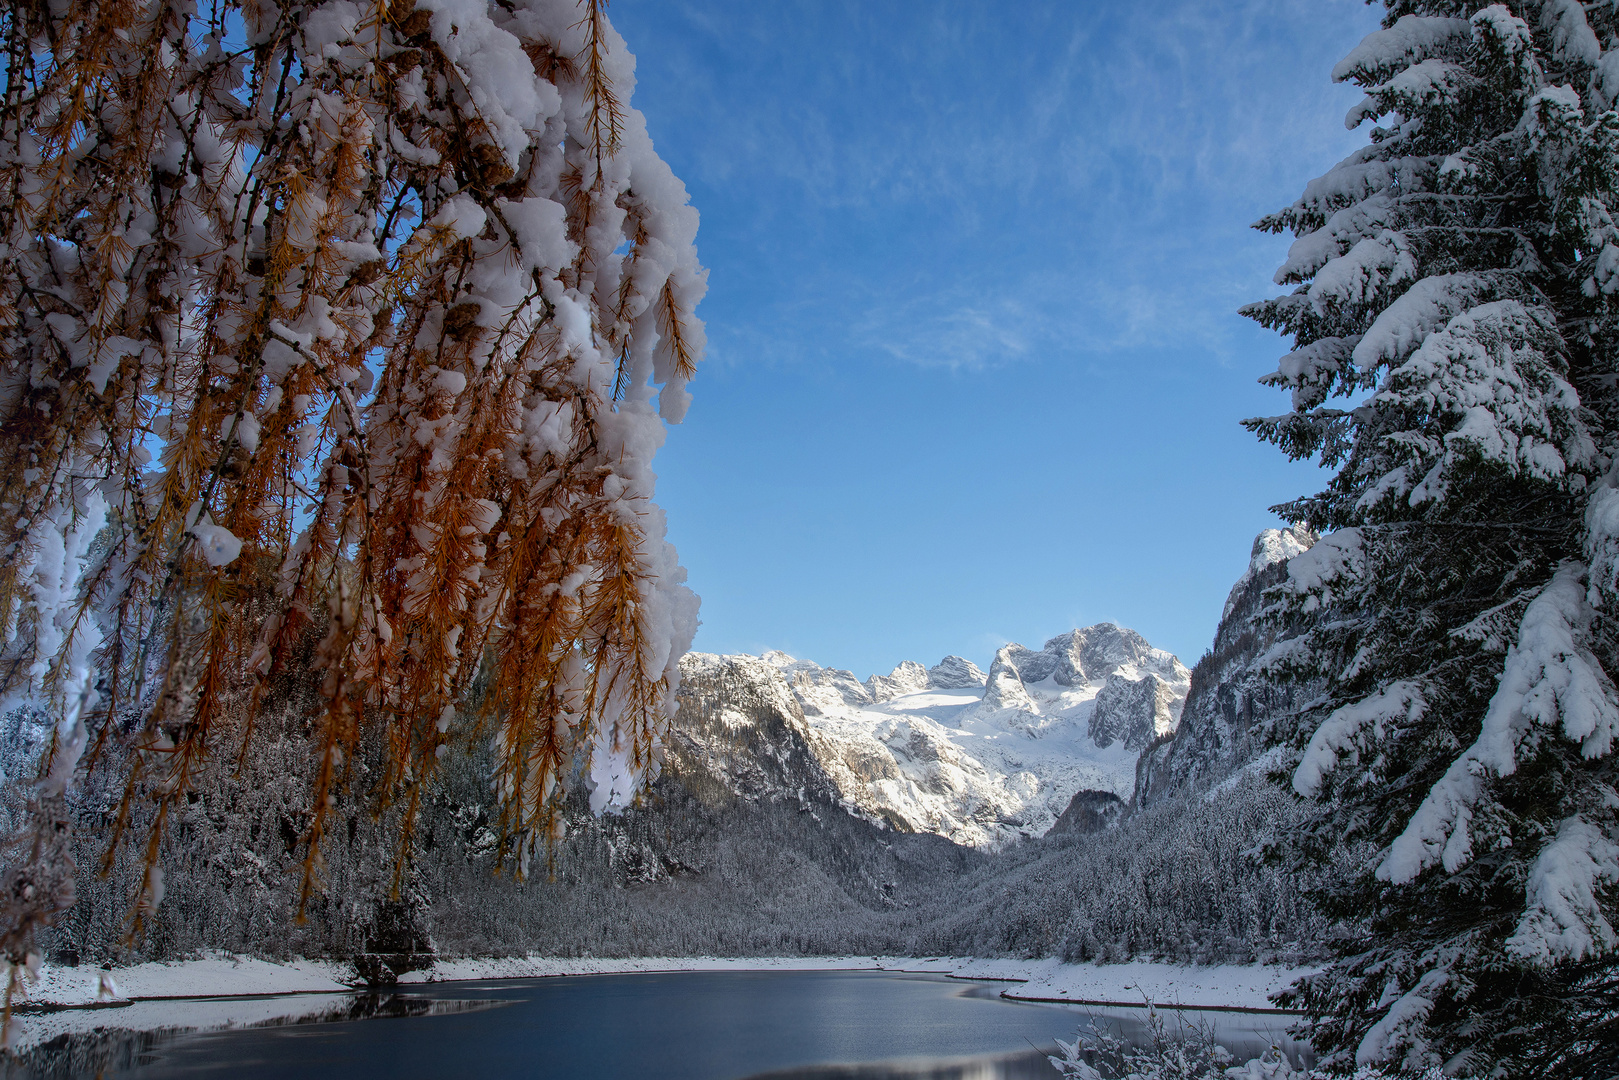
954, 673
1231, 704
742, 733
980, 759
1089, 812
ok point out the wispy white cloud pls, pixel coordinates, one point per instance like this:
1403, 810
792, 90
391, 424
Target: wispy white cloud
977, 185
1045, 98
953, 332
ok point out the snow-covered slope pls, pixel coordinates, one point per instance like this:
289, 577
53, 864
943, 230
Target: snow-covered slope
982, 759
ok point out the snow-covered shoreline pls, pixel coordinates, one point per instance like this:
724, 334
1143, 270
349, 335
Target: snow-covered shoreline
223, 975
222, 990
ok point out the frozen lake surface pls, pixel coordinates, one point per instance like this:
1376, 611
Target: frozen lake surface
678, 1025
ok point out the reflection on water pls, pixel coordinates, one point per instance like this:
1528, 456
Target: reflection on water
109, 1042
1031, 1065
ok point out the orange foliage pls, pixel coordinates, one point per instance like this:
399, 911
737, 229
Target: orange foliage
218, 326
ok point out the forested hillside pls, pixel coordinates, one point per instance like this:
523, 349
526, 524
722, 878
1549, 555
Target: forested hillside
744, 846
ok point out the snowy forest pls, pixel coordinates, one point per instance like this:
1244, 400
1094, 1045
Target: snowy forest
336, 343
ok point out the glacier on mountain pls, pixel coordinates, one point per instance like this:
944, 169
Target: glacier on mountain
983, 759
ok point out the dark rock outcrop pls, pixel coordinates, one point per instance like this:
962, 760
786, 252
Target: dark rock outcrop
1132, 711
1089, 812
1231, 706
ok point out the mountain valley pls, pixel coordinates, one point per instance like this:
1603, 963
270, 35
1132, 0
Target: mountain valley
1058, 804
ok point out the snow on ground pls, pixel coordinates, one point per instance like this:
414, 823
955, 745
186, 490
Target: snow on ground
539, 967
204, 1014
212, 975
1218, 986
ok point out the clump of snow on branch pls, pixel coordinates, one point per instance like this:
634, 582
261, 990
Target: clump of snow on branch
1334, 561
1411, 40
1398, 1036
1424, 307
1491, 378
1358, 276
1352, 728
1602, 543
1550, 680
1563, 919
1573, 40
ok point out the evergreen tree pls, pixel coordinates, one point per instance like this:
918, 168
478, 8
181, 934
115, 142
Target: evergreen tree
1455, 282
330, 338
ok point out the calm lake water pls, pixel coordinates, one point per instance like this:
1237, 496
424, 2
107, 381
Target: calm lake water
677, 1026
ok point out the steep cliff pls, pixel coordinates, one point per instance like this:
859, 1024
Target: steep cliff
1231, 705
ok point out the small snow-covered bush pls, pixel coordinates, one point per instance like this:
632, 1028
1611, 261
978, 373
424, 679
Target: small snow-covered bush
1188, 1052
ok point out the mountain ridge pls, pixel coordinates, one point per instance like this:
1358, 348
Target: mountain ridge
983, 759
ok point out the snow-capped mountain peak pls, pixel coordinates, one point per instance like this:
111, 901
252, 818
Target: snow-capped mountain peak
1082, 657
908, 677
954, 673
985, 759
1271, 546
1104, 674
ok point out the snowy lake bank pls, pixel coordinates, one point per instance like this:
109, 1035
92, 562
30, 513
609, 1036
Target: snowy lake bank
1243, 987
223, 991
724, 1021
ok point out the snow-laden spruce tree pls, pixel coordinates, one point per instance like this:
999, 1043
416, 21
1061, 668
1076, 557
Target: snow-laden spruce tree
1456, 281
329, 340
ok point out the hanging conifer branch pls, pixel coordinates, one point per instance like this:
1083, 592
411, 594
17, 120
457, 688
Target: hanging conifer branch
312, 329
606, 114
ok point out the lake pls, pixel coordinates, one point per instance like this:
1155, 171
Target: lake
731, 1025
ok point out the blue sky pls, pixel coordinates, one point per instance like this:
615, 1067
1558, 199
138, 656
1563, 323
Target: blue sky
975, 370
